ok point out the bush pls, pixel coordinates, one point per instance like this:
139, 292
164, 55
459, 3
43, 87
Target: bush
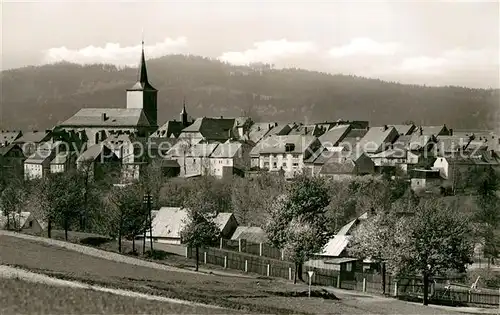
156, 254
94, 241
489, 278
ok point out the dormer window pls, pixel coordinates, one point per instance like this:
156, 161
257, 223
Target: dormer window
289, 147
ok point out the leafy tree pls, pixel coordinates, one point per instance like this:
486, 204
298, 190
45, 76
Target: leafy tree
200, 229
303, 205
12, 201
126, 204
372, 239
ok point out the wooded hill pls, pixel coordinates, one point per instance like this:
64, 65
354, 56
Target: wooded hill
40, 97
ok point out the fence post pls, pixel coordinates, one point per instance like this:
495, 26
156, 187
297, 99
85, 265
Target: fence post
260, 249
225, 262
205, 257
338, 281
364, 284
282, 255
290, 273
221, 243
268, 269
396, 288
187, 253
239, 245
246, 265
499, 300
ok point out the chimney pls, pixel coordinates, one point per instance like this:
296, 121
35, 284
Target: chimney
47, 131
421, 130
451, 132
275, 124
221, 117
104, 117
305, 130
385, 127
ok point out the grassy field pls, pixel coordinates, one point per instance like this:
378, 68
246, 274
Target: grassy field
20, 297
245, 294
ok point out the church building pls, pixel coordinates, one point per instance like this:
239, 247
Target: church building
138, 118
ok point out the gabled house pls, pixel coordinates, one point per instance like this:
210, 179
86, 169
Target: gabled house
378, 139
424, 179
286, 153
252, 234
340, 167
452, 168
230, 158
11, 160
31, 140
435, 131
209, 130
98, 161
168, 223
38, 164
194, 160
316, 161
63, 162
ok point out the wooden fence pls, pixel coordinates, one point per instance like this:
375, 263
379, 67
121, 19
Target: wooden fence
252, 260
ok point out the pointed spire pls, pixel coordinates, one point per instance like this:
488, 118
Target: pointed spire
143, 75
184, 106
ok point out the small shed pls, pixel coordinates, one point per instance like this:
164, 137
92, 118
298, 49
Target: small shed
24, 221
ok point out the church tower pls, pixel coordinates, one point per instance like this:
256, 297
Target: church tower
143, 95
184, 114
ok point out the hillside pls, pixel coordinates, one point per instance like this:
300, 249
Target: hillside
40, 97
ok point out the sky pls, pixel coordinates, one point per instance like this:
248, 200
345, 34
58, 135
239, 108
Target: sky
418, 42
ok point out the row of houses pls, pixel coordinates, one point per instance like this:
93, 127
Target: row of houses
223, 146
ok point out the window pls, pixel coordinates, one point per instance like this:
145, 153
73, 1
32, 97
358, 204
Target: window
295, 164
289, 147
348, 267
284, 164
266, 164
275, 165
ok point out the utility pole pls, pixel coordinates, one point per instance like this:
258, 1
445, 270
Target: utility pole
147, 200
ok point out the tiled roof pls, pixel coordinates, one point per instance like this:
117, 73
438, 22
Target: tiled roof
170, 128
322, 155
7, 137
336, 245
227, 150
390, 154
452, 143
279, 130
333, 136
375, 138
42, 153
222, 219
404, 130
115, 117
94, 152
20, 218
34, 137
341, 163
277, 144
169, 222
251, 234
212, 128
430, 130
258, 131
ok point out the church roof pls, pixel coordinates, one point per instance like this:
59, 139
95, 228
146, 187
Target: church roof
114, 117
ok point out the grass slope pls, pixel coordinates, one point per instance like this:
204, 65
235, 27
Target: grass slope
245, 294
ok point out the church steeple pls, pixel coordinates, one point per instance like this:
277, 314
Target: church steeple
184, 114
143, 95
142, 75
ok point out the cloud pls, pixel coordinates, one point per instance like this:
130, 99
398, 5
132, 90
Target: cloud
269, 51
364, 46
115, 54
450, 61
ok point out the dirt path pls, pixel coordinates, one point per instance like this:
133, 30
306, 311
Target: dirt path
17, 273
